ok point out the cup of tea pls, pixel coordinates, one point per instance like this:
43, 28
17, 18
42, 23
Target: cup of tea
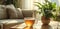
29, 21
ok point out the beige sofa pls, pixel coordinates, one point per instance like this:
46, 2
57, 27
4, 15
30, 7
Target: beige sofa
10, 16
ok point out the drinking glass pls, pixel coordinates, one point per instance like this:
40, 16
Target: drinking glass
29, 21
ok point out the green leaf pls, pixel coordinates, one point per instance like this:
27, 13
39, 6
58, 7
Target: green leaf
38, 3
46, 8
54, 10
38, 6
54, 5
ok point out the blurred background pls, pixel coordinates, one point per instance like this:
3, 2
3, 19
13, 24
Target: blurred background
29, 5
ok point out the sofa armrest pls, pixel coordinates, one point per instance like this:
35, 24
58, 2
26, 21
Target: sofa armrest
28, 13
10, 22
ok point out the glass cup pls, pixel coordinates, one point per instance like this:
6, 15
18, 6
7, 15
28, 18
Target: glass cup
29, 21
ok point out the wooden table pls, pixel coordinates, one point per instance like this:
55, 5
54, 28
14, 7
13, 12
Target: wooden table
38, 25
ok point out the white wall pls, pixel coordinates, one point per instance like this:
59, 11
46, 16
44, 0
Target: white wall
41, 1
27, 4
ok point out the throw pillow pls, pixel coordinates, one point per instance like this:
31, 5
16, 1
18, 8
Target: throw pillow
3, 14
27, 13
19, 12
12, 13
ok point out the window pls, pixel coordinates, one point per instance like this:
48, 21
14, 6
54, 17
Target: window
57, 2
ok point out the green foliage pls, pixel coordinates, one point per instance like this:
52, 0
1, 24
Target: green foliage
8, 2
59, 8
15, 3
46, 8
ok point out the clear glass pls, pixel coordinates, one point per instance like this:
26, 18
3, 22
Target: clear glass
29, 21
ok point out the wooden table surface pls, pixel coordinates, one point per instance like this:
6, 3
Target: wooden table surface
38, 25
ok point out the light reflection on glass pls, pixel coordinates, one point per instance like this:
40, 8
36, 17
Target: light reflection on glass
29, 21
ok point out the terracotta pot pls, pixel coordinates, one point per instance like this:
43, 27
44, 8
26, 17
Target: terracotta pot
45, 21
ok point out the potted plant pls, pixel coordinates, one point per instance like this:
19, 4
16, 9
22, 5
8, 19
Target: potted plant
57, 18
46, 9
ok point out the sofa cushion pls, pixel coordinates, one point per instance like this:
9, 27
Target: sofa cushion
27, 13
3, 14
19, 13
11, 11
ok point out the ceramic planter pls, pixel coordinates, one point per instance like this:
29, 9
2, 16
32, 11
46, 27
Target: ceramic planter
45, 21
